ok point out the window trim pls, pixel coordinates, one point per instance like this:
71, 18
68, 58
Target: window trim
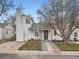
75, 34
27, 21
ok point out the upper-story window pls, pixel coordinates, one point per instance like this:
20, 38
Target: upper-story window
7, 32
55, 32
27, 21
75, 34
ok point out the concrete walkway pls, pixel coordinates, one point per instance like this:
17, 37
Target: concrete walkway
49, 46
13, 45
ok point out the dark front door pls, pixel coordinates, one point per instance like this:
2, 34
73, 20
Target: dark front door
46, 34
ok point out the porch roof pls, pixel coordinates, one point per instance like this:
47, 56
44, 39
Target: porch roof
3, 24
45, 29
40, 26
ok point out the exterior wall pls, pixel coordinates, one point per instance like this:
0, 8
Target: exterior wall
27, 34
52, 34
72, 35
56, 37
42, 35
19, 27
22, 28
7, 32
1, 33
49, 35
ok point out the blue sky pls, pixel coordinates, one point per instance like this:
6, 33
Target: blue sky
30, 7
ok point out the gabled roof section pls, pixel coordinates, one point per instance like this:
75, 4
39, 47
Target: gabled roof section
28, 17
14, 27
38, 26
2, 25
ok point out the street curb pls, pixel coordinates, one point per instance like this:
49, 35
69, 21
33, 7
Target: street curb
23, 52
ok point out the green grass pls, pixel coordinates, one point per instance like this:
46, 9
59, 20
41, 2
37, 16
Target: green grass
67, 47
32, 45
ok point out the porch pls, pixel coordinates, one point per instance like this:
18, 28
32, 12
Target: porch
45, 34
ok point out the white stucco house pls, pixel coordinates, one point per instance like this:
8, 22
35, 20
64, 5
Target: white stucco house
6, 31
27, 29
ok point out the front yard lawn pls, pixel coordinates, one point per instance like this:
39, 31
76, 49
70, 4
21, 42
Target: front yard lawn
32, 45
67, 47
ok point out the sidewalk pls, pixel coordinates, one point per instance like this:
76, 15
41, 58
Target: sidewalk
49, 46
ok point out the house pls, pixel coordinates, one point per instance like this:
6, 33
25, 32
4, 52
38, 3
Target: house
27, 29
23, 23
6, 31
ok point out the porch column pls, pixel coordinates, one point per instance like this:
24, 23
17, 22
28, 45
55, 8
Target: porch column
41, 34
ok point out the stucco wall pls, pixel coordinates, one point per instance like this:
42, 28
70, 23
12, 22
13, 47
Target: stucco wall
27, 34
56, 37
1, 33
72, 35
49, 35
19, 27
8, 32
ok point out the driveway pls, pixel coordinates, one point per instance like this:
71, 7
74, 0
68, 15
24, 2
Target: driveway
13, 45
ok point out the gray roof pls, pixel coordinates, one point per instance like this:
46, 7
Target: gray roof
14, 27
3, 24
38, 26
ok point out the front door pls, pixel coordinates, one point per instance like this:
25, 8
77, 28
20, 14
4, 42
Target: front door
46, 34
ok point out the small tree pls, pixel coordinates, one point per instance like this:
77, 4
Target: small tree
60, 15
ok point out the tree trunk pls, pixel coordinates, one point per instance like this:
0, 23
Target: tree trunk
66, 40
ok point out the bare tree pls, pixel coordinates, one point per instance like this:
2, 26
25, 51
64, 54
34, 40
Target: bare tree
5, 5
60, 15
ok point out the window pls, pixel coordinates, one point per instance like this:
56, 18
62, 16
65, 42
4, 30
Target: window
75, 34
27, 21
36, 34
13, 32
55, 32
7, 32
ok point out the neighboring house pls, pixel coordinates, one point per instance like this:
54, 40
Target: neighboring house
6, 31
27, 29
